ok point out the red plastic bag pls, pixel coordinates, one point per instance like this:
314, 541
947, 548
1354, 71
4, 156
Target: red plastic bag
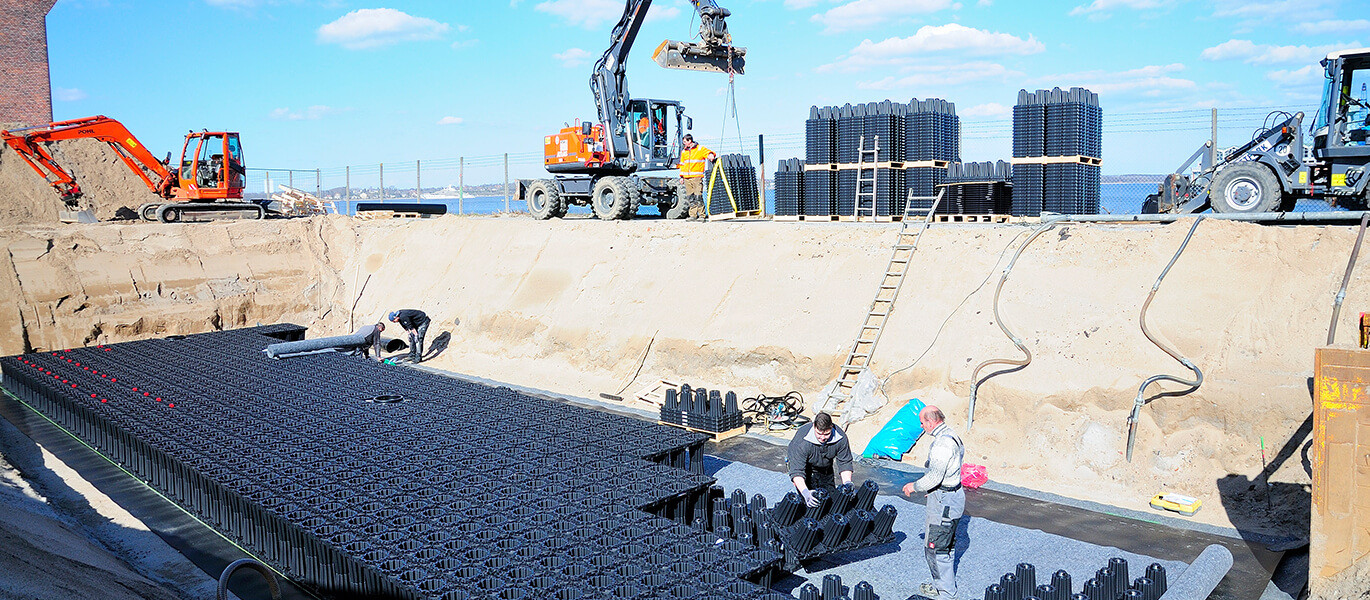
973, 476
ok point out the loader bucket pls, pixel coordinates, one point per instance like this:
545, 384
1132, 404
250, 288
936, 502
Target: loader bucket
697, 57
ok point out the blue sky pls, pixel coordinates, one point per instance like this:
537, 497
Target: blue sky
331, 83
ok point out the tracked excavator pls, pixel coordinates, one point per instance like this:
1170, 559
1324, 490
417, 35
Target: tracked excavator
605, 164
1276, 169
207, 183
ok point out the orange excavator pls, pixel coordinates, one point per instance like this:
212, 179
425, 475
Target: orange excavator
207, 183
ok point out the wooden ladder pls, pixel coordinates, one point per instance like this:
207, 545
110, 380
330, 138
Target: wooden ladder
864, 347
866, 158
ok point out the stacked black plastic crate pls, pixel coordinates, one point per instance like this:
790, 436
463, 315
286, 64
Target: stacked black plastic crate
701, 409
979, 188
789, 188
820, 158
1057, 144
932, 133
733, 186
882, 129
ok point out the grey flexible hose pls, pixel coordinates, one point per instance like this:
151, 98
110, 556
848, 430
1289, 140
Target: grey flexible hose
1198, 375
1346, 279
1015, 364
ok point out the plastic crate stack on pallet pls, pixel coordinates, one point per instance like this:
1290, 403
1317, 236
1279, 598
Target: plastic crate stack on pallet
913, 143
703, 411
978, 188
732, 188
845, 519
1109, 583
1057, 149
789, 190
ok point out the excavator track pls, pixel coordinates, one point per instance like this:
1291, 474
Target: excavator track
197, 212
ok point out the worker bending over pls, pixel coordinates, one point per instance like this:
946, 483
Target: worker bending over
946, 503
693, 159
414, 322
817, 451
373, 340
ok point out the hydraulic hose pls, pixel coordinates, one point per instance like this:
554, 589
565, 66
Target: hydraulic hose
1014, 364
1140, 400
1346, 279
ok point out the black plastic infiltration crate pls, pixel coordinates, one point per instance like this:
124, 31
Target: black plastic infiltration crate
702, 409
1057, 123
820, 193
737, 169
364, 480
789, 188
980, 188
1110, 582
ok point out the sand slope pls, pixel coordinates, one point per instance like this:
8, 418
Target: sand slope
107, 183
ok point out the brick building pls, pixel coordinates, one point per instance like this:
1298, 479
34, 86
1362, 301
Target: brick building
25, 88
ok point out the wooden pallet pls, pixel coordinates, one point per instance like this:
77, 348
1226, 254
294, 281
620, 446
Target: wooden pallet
787, 218
873, 165
715, 436
656, 392
971, 218
742, 214
936, 164
1056, 160
827, 167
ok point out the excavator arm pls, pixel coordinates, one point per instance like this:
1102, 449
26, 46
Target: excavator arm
714, 52
28, 143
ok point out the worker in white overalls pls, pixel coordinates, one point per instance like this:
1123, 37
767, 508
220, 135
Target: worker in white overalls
946, 503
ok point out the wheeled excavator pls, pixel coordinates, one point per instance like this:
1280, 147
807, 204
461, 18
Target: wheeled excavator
208, 182
604, 164
1275, 170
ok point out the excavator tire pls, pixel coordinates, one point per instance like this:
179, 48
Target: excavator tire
1246, 187
678, 208
544, 200
614, 198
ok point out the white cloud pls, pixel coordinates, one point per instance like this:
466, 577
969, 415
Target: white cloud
951, 37
312, 113
68, 94
596, 14
1269, 9
1304, 78
1332, 26
573, 57
1102, 7
450, 121
1151, 80
798, 4
991, 109
1265, 54
661, 12
376, 27
940, 75
865, 13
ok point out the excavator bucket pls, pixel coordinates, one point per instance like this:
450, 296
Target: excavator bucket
699, 57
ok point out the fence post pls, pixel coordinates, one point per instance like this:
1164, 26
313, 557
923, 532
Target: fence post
461, 183
761, 156
506, 182
348, 184
382, 194
318, 183
292, 177
1213, 150
418, 181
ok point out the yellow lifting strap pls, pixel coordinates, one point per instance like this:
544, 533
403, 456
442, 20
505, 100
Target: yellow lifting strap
727, 188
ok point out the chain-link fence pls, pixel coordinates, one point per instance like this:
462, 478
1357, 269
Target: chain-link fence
488, 183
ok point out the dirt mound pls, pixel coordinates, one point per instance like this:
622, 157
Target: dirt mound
110, 189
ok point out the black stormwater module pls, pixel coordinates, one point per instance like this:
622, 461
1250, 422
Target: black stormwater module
359, 479
845, 519
1109, 583
820, 193
1056, 123
820, 136
735, 175
698, 408
789, 188
978, 188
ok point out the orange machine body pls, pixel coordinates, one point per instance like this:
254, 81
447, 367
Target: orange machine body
575, 147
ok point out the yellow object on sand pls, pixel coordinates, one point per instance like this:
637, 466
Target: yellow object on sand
1179, 503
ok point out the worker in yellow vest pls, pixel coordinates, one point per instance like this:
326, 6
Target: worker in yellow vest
693, 158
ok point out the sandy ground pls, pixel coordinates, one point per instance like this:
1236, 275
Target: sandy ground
110, 189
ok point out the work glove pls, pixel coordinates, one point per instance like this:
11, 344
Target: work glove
810, 499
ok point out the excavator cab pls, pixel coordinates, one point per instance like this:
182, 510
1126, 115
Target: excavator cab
212, 167
655, 143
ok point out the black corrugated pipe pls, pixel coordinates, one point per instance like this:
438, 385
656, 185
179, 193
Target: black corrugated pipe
1015, 364
1346, 279
1198, 375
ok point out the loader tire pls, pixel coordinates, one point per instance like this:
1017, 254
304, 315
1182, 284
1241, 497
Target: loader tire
544, 200
614, 198
1246, 188
679, 208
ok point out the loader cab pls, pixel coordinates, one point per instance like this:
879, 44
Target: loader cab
1342, 128
654, 133
212, 166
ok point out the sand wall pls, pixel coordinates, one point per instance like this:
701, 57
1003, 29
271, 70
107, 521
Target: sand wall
571, 306
107, 183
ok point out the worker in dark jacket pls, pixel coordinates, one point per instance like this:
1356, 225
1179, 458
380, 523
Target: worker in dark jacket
372, 333
415, 322
818, 451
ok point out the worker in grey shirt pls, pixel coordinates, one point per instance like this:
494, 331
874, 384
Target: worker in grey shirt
373, 339
818, 451
946, 503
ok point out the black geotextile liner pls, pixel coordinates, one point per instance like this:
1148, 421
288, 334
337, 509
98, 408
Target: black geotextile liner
359, 479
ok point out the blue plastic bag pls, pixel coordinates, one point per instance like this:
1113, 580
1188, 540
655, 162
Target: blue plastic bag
899, 435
